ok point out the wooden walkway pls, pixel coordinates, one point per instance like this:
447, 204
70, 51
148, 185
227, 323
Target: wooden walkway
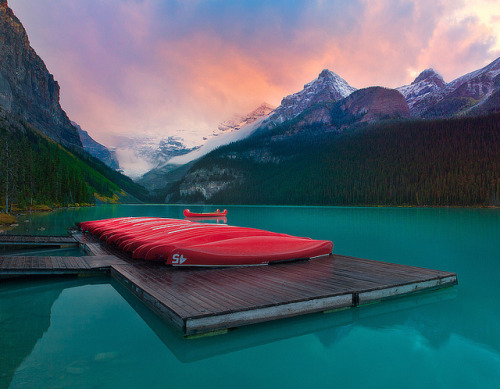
37, 240
215, 299
35, 265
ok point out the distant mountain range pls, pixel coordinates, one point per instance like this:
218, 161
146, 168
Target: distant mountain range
476, 92
138, 155
325, 109
428, 96
330, 104
150, 160
233, 130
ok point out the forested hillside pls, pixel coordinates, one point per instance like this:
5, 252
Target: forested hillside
434, 163
35, 170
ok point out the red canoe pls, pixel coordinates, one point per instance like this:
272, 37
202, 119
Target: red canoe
187, 243
160, 250
217, 213
250, 250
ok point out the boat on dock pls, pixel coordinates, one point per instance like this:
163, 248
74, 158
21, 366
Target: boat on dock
187, 243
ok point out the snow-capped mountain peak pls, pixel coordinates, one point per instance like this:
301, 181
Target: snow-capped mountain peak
430, 96
427, 82
429, 75
335, 83
328, 86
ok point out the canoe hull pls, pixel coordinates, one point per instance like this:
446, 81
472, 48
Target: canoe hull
186, 243
252, 250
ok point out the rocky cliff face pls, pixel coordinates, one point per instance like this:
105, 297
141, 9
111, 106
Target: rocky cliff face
203, 184
96, 149
375, 103
27, 89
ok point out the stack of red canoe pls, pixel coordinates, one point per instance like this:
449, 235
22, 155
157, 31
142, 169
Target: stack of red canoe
188, 243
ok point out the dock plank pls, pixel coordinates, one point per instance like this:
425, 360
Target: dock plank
36, 240
44, 265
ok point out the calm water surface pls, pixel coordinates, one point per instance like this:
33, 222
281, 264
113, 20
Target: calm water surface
91, 333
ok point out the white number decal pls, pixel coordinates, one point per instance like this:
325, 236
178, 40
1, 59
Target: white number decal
178, 259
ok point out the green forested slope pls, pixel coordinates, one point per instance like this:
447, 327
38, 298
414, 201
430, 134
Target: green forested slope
36, 170
452, 162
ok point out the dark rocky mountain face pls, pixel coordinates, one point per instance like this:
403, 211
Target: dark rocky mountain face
96, 149
27, 89
375, 103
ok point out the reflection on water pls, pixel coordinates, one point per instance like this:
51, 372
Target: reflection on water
214, 219
88, 335
70, 344
99, 335
328, 328
25, 309
43, 252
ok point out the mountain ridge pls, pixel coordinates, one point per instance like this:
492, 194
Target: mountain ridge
430, 97
94, 148
324, 118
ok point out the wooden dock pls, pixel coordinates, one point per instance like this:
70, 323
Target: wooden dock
198, 300
38, 240
35, 265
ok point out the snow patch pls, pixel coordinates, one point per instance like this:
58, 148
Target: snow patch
221, 140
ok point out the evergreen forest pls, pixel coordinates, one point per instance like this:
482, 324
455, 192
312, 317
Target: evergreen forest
450, 162
35, 170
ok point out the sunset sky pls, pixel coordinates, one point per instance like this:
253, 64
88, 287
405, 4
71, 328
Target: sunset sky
162, 67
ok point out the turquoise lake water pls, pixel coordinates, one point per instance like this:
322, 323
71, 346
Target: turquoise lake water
86, 333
